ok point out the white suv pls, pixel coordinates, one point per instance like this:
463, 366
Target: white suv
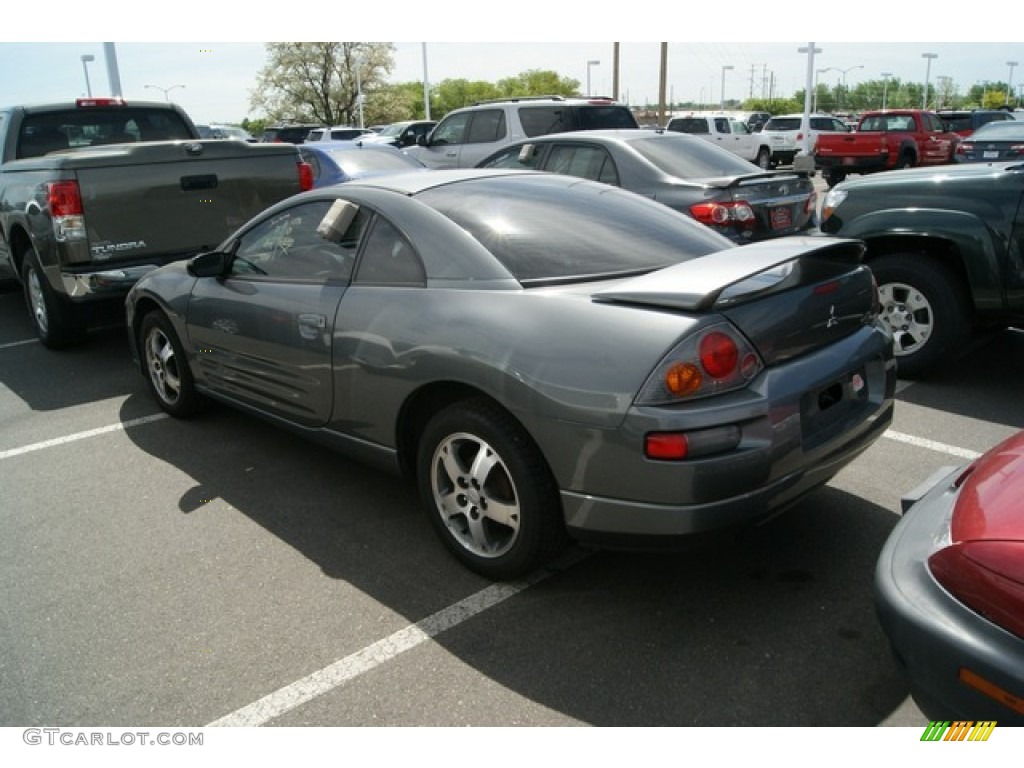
787, 139
727, 132
466, 136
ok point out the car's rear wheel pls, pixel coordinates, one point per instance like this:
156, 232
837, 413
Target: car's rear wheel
167, 372
56, 321
764, 158
488, 491
833, 177
923, 305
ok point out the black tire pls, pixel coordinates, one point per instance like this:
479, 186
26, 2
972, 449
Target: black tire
926, 308
488, 491
763, 159
833, 177
57, 322
905, 160
165, 367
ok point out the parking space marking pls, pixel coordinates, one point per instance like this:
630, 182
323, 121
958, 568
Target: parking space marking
81, 435
931, 445
352, 666
19, 343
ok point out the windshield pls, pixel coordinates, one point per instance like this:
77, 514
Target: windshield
690, 158
550, 228
393, 130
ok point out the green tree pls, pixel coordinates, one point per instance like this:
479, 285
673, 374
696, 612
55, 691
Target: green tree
538, 82
317, 82
454, 93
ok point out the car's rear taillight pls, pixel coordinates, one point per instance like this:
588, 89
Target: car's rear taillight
714, 360
106, 101
724, 213
987, 576
305, 176
66, 213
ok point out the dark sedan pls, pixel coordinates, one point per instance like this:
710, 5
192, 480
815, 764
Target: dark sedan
950, 589
993, 142
712, 185
336, 162
547, 358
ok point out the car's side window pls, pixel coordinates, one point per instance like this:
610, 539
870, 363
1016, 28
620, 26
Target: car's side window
451, 130
290, 246
389, 259
486, 125
722, 124
737, 126
585, 162
523, 157
540, 121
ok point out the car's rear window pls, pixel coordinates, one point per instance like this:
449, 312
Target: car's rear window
592, 118
783, 124
689, 125
690, 158
549, 229
91, 126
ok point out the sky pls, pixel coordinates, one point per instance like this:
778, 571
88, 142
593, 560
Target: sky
212, 80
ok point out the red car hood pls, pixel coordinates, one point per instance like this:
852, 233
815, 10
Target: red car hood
990, 505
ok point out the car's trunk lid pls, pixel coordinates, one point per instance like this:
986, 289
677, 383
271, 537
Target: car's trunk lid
788, 297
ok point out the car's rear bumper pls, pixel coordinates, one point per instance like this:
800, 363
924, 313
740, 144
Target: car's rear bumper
934, 637
787, 447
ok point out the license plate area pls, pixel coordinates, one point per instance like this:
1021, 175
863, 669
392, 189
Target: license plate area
781, 218
830, 410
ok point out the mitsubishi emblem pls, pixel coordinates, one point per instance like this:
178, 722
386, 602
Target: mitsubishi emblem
832, 319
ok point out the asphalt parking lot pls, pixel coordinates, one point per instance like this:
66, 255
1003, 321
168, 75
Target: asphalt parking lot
222, 571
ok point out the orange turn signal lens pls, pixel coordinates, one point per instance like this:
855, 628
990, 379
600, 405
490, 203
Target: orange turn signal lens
683, 379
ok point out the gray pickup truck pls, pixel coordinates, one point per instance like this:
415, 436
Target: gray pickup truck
95, 193
946, 246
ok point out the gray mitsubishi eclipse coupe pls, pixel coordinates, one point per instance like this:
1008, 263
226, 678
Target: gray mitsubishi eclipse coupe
546, 358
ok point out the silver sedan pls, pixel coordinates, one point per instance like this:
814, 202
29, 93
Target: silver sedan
546, 358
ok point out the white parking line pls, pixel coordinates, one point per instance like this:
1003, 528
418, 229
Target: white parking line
330, 677
931, 445
19, 343
81, 436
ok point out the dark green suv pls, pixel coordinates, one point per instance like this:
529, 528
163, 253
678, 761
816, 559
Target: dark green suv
289, 133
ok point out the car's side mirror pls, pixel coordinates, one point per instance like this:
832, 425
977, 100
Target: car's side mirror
209, 264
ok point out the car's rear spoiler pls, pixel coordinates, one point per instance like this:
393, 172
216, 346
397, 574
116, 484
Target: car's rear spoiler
701, 283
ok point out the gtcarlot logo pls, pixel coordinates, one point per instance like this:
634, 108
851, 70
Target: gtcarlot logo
959, 730
79, 738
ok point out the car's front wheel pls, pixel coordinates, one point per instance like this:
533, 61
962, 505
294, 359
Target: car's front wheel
166, 369
926, 309
488, 491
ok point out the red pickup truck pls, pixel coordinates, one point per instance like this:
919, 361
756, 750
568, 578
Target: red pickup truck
897, 138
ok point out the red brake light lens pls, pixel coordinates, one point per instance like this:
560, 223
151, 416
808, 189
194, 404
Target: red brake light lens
719, 354
99, 102
986, 576
305, 176
64, 199
721, 214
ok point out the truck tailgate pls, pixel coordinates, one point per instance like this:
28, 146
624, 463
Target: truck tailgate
172, 199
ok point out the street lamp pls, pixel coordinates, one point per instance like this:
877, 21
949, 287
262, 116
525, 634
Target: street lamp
844, 71
725, 68
885, 86
86, 58
591, 63
1009, 84
166, 91
818, 73
359, 90
927, 76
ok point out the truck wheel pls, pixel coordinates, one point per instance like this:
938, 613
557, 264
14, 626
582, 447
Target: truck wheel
488, 491
57, 322
833, 177
166, 369
926, 309
764, 158
905, 160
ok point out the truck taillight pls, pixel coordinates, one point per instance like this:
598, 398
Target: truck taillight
305, 176
66, 213
100, 102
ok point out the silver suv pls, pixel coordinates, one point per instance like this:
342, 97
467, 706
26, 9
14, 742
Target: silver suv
466, 136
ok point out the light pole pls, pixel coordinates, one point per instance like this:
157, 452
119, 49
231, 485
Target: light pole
359, 90
1009, 84
844, 71
818, 73
86, 58
166, 91
927, 76
725, 68
885, 86
591, 63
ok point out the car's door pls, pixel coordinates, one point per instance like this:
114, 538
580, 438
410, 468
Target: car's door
744, 142
486, 134
938, 143
263, 332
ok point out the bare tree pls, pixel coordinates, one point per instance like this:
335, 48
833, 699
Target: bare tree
320, 82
